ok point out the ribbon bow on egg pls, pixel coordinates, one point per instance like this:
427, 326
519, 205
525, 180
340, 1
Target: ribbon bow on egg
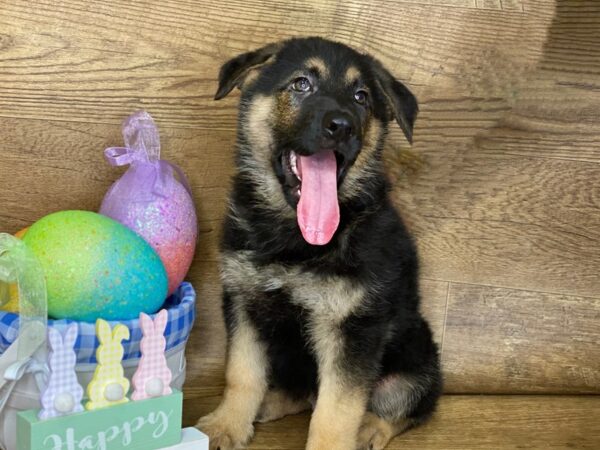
142, 152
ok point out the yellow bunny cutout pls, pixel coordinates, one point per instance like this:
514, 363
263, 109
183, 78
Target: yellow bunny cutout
109, 385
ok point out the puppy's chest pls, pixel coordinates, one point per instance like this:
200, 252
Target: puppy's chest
275, 285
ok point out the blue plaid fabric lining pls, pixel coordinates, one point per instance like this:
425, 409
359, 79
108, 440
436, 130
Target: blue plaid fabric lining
181, 307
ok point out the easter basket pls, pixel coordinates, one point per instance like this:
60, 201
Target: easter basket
22, 345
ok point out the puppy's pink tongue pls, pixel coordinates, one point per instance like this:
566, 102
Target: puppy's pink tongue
318, 210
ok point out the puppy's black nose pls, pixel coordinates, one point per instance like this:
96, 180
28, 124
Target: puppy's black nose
337, 126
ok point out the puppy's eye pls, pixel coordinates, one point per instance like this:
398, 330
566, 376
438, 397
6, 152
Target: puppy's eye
301, 84
360, 97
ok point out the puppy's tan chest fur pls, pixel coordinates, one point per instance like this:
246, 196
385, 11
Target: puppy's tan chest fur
327, 297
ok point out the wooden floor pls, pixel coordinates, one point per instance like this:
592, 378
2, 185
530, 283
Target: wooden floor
472, 422
501, 187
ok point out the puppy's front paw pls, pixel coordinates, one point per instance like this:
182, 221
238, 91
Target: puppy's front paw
224, 433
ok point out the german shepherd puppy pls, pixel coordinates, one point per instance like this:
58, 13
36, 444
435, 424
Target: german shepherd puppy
321, 299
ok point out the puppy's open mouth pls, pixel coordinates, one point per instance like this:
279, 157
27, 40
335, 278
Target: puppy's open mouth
314, 179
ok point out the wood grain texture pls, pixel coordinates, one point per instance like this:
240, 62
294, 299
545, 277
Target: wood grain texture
520, 341
510, 200
462, 422
524, 222
94, 62
434, 297
500, 189
47, 166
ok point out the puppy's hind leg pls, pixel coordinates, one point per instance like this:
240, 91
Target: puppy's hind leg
375, 433
398, 403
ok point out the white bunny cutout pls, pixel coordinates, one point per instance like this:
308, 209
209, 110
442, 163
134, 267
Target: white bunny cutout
63, 393
153, 377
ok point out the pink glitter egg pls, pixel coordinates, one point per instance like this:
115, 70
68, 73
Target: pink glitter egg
153, 198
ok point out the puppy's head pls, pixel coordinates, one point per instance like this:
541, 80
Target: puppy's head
313, 117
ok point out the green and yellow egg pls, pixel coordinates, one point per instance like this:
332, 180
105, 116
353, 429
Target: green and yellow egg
95, 267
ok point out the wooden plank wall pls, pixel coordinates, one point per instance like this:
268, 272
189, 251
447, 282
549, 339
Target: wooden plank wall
500, 188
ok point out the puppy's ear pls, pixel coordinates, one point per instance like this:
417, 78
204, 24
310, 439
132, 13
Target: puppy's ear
234, 71
402, 102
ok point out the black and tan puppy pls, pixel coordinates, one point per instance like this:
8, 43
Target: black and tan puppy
319, 274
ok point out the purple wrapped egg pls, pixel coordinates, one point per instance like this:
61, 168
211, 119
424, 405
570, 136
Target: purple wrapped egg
153, 197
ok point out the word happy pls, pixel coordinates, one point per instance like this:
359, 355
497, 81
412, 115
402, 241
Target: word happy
155, 423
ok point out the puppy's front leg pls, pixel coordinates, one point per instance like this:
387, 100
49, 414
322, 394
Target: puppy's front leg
341, 401
230, 425
337, 416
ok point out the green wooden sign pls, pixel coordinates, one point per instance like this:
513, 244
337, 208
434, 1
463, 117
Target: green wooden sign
144, 425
